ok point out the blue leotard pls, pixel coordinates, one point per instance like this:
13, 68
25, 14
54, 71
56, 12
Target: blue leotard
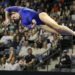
26, 15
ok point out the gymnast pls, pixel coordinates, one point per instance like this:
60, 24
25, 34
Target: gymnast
27, 15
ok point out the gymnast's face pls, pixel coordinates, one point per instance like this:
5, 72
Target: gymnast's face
15, 16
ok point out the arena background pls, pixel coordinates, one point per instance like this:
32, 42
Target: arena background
48, 49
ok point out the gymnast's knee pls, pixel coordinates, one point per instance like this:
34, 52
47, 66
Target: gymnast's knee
42, 15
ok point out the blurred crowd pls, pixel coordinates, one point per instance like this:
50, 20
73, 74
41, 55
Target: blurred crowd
20, 48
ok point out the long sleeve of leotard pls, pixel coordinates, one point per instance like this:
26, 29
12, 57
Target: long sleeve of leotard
13, 9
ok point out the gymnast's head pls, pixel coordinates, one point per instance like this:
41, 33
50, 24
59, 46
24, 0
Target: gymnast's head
14, 16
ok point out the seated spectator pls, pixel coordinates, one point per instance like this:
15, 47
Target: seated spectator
20, 61
12, 65
29, 59
6, 37
16, 41
73, 58
35, 49
11, 53
55, 47
26, 35
44, 33
12, 26
33, 36
24, 48
39, 42
3, 61
2, 13
46, 47
21, 30
55, 42
16, 32
65, 61
27, 4
50, 37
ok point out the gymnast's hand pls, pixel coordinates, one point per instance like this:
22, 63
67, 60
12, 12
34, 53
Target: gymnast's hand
33, 23
6, 22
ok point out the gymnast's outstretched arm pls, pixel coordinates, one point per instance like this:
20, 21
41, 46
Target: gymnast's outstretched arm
7, 20
51, 23
10, 10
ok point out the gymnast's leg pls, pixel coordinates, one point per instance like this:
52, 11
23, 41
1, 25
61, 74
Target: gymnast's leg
45, 27
49, 21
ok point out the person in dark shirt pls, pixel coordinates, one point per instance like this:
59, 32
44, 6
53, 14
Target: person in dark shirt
29, 59
65, 61
16, 41
39, 42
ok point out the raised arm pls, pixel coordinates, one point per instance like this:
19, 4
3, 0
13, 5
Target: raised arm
9, 10
13, 8
7, 19
6, 15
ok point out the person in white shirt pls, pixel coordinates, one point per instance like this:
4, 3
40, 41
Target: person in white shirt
12, 65
24, 48
50, 37
3, 60
6, 37
45, 48
44, 33
33, 37
35, 49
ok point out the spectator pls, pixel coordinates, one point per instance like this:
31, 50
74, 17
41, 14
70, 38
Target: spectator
56, 8
33, 36
3, 61
27, 4
24, 48
17, 3
46, 45
26, 35
44, 33
11, 53
29, 59
35, 49
21, 30
50, 38
16, 41
39, 42
65, 61
6, 37
12, 65
43, 50
2, 13
55, 41
12, 26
